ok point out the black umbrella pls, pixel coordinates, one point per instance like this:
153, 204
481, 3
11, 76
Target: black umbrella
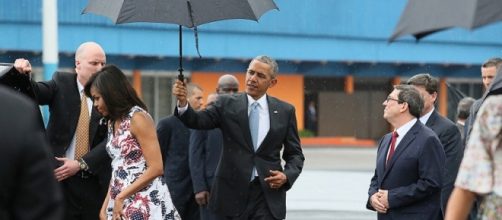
188, 13
11, 78
423, 17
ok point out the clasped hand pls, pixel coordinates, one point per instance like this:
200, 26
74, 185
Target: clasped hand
380, 201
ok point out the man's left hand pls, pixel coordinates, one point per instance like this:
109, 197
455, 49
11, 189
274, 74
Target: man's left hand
68, 169
384, 197
276, 179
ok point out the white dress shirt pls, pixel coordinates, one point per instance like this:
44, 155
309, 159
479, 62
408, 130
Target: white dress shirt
401, 132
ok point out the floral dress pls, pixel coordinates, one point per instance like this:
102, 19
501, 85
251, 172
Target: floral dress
481, 168
128, 163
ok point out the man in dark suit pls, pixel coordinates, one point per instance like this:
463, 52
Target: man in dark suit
489, 71
409, 165
250, 182
174, 139
463, 107
205, 151
28, 189
447, 132
83, 165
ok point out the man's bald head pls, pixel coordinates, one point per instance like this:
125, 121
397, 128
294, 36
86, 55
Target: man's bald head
227, 84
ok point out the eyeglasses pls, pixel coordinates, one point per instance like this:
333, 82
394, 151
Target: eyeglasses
393, 99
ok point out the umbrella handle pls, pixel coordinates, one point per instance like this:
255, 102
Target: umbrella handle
180, 76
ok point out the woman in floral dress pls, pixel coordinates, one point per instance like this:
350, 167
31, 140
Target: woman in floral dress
137, 190
481, 169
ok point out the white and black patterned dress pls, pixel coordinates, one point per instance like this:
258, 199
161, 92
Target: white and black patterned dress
128, 163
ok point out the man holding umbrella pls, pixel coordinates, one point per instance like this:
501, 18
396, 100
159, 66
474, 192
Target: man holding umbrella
75, 134
250, 182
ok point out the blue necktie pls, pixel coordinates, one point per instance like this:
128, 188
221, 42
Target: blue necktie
254, 119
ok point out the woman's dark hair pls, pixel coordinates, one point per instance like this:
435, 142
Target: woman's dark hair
116, 91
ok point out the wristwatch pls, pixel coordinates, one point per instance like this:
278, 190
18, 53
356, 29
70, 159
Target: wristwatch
83, 164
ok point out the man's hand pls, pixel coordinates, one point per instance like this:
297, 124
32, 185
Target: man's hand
22, 66
202, 198
384, 197
68, 169
180, 91
276, 179
377, 205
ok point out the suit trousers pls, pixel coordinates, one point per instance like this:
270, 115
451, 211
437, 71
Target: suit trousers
257, 207
83, 197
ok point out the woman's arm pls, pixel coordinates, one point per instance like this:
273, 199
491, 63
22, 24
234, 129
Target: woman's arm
459, 204
102, 212
143, 129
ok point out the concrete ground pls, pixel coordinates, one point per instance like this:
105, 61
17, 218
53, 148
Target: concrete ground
333, 185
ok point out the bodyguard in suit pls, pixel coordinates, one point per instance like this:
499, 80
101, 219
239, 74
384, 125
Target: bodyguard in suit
28, 189
76, 136
446, 130
174, 139
205, 151
409, 165
250, 182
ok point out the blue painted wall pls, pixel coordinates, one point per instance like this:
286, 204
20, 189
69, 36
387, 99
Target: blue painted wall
321, 37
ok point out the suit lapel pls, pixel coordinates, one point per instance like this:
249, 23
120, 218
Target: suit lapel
382, 157
242, 113
274, 118
93, 126
405, 143
432, 119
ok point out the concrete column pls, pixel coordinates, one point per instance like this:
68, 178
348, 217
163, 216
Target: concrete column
136, 82
50, 50
443, 97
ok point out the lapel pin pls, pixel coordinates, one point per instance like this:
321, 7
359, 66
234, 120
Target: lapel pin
275, 111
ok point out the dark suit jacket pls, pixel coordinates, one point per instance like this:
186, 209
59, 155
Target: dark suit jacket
173, 139
231, 184
469, 122
62, 95
450, 138
413, 175
28, 189
205, 153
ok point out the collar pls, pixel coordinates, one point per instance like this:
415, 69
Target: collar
401, 131
426, 117
80, 87
262, 101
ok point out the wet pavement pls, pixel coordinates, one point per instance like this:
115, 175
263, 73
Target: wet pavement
333, 185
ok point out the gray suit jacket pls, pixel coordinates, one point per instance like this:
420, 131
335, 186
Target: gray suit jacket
231, 185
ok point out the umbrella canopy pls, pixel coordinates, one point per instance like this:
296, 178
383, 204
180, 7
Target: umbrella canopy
188, 13
423, 17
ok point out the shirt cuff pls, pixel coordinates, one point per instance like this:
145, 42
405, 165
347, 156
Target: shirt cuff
183, 109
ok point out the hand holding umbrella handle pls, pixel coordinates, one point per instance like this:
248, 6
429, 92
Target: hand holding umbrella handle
181, 78
180, 91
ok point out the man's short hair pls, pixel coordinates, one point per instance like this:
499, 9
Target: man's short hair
410, 95
464, 107
268, 60
430, 83
493, 62
191, 87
